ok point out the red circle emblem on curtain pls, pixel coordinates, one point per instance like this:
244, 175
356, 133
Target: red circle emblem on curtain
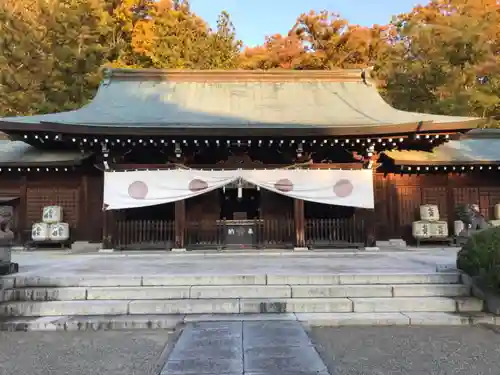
198, 185
138, 190
343, 188
284, 185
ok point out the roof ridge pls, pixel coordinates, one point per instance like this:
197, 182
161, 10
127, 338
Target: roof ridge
281, 75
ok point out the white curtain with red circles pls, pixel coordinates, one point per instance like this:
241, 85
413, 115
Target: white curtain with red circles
148, 188
334, 187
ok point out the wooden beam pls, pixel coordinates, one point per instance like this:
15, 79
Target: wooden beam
118, 167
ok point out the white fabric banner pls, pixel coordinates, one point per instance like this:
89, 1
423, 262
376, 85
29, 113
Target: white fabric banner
334, 187
148, 188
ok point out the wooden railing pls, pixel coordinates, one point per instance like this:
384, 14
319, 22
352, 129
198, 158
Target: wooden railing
204, 234
144, 234
270, 233
328, 233
277, 233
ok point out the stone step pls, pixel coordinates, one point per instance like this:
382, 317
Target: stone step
171, 322
244, 305
228, 280
417, 304
236, 291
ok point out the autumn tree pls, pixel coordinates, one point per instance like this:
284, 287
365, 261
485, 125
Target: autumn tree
52, 50
319, 40
176, 38
124, 17
283, 52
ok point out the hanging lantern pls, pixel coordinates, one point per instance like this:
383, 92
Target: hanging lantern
224, 189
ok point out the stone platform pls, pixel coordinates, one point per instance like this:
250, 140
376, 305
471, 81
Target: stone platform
61, 263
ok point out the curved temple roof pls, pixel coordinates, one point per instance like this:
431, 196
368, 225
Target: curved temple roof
20, 154
481, 146
339, 102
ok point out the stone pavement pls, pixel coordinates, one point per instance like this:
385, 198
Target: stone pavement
345, 351
250, 348
409, 350
83, 353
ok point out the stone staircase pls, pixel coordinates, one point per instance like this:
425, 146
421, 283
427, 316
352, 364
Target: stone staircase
162, 301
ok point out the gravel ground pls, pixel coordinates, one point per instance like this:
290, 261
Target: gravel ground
409, 350
79, 353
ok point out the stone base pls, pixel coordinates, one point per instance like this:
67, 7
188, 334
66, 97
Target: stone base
446, 267
491, 300
18, 249
179, 250
391, 243
106, 250
8, 268
300, 249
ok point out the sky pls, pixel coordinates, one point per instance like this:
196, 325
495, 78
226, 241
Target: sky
256, 19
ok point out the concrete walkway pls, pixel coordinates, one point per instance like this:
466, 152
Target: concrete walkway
249, 348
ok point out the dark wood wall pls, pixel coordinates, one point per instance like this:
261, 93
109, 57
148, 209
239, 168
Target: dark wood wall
398, 198
78, 192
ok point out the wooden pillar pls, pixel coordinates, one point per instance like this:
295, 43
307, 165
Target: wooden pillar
23, 212
299, 219
83, 230
180, 223
108, 224
450, 201
369, 216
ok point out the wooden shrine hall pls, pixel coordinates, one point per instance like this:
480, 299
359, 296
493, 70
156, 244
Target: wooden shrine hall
242, 159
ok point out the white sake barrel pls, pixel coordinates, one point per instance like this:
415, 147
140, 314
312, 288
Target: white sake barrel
40, 232
494, 223
421, 229
458, 227
497, 211
6, 213
439, 229
52, 214
5, 254
59, 232
429, 212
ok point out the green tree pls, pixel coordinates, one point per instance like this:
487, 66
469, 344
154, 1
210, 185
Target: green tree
444, 59
223, 46
52, 52
24, 60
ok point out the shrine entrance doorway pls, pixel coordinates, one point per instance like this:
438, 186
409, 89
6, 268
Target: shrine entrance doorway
240, 217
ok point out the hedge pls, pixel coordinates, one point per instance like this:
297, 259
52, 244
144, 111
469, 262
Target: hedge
480, 256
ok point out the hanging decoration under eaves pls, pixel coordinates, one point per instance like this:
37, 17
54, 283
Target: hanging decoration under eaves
147, 188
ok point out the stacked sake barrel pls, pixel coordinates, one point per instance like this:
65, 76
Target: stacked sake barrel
429, 226
52, 228
496, 222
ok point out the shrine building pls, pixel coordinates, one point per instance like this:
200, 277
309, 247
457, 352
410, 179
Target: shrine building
242, 159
